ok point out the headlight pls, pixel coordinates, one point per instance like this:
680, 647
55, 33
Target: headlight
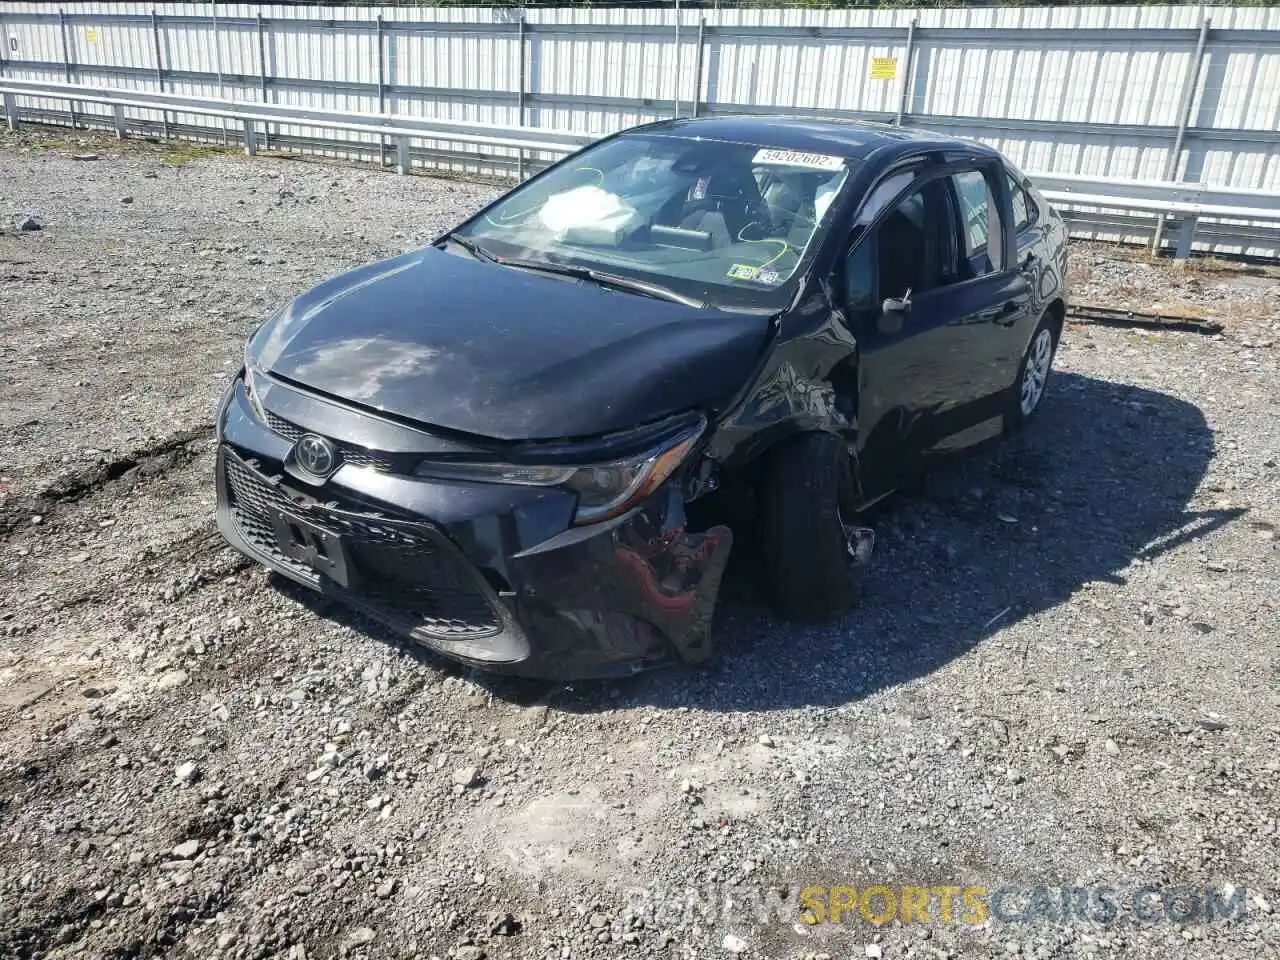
605, 490
495, 473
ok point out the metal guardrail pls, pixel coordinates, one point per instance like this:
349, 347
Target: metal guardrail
399, 129
1197, 198
1257, 211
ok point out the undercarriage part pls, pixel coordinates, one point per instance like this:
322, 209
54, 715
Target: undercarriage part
1111, 317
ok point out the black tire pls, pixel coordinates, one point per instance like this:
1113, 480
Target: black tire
1015, 415
803, 549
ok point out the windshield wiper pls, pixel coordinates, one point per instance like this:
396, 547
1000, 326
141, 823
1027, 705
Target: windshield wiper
644, 287
598, 277
604, 279
472, 248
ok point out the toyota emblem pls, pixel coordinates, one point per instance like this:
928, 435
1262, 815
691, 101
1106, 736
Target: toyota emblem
316, 455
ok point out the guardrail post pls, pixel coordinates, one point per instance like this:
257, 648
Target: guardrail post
382, 94
903, 86
66, 60
676, 83
1186, 236
520, 65
155, 45
697, 66
262, 63
1184, 119
217, 66
11, 110
117, 116
251, 137
402, 155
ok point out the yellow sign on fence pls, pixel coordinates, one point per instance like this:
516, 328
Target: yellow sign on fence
90, 35
884, 68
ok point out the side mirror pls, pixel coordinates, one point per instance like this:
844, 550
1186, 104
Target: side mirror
893, 312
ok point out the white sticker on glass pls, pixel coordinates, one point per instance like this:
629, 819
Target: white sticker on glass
792, 158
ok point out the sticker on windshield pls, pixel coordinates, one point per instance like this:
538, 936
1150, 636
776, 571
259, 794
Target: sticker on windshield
745, 271
792, 158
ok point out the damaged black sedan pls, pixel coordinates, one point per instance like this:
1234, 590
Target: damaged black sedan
530, 446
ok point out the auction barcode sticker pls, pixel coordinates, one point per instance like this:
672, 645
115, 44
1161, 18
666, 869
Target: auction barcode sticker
791, 158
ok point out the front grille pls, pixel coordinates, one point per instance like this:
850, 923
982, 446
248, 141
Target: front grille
350, 453
407, 570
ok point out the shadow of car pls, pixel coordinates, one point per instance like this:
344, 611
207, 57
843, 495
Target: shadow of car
1105, 479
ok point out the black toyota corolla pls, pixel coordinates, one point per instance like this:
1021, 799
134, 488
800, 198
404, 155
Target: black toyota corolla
530, 445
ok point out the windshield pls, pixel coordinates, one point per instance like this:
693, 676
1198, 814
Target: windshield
727, 223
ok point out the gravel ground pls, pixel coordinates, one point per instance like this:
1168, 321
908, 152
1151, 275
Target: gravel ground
1066, 671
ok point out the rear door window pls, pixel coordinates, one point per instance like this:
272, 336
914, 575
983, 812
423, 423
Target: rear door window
981, 241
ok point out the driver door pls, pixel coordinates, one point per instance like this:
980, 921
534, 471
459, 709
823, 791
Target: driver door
898, 307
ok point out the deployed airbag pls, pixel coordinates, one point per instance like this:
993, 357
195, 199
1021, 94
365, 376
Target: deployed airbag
589, 215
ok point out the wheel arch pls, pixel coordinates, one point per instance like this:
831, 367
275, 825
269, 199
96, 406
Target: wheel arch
808, 385
751, 455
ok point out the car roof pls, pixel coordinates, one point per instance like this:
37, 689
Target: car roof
854, 139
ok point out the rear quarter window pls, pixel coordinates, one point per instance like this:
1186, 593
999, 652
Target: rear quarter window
1024, 207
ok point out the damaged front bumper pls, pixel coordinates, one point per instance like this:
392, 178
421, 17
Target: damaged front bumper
491, 575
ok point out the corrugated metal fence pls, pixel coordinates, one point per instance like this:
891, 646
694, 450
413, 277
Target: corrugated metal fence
1186, 93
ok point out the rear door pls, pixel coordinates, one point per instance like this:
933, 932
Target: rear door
991, 295
1039, 247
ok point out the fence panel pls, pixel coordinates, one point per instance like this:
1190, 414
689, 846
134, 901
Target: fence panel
1126, 91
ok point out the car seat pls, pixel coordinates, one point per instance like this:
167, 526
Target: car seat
902, 258
729, 202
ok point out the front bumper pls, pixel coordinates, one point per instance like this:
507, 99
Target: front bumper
494, 576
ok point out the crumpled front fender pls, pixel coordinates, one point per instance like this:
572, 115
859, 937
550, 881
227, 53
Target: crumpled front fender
629, 593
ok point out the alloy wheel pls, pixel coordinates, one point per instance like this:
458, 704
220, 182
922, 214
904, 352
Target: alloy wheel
1036, 372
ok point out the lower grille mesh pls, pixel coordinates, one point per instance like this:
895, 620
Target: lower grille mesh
404, 569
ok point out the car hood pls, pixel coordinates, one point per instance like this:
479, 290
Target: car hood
467, 345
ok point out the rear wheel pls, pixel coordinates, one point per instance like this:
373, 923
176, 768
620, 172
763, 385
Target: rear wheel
810, 556
1033, 374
